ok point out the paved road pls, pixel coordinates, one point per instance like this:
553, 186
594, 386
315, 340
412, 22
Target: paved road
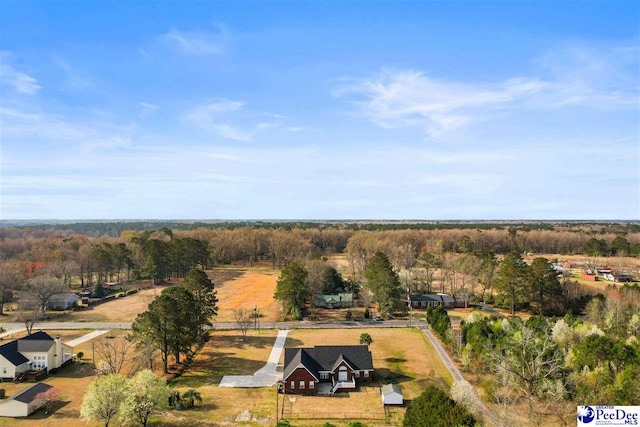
14, 327
489, 417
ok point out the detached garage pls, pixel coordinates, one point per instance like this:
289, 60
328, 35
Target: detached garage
391, 395
24, 402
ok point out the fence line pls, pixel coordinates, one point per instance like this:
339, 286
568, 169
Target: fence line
336, 416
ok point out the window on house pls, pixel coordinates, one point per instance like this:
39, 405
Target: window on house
311, 385
324, 376
4, 370
357, 374
301, 385
293, 385
366, 374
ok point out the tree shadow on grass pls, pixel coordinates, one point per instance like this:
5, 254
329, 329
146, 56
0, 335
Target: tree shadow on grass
395, 360
55, 407
220, 277
385, 376
76, 370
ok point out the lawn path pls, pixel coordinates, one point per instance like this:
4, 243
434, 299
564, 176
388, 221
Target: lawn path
489, 416
265, 376
85, 338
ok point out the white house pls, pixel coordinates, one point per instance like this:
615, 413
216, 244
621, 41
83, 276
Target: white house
391, 394
34, 352
24, 402
62, 301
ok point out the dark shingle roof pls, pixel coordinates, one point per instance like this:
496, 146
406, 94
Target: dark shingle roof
326, 358
11, 353
29, 394
40, 341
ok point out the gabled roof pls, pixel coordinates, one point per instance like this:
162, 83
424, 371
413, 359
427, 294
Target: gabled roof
343, 297
339, 361
29, 394
63, 297
38, 342
11, 353
391, 388
326, 358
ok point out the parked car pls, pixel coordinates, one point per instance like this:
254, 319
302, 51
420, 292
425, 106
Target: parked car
378, 319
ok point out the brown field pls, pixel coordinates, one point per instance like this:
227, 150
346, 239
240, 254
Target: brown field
248, 288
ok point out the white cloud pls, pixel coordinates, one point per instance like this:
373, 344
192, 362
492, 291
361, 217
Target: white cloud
147, 108
73, 78
199, 43
228, 119
572, 76
18, 81
397, 99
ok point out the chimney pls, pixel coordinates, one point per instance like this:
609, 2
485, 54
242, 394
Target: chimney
59, 358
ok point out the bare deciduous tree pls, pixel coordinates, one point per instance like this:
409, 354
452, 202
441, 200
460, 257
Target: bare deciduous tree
115, 352
28, 313
41, 288
243, 318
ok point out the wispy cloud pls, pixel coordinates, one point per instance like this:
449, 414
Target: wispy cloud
570, 76
401, 98
228, 119
74, 79
17, 80
200, 43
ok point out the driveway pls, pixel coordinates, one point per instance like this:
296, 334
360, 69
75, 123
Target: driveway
489, 417
85, 338
265, 376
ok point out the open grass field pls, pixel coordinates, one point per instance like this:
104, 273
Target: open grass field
249, 288
400, 355
226, 354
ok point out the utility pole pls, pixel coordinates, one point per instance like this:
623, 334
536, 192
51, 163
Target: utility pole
255, 317
277, 398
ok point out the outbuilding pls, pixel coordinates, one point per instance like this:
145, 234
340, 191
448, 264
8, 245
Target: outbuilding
24, 402
62, 301
391, 395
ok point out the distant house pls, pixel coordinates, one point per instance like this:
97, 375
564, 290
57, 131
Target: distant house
33, 353
434, 300
326, 369
333, 301
24, 402
618, 277
63, 301
391, 394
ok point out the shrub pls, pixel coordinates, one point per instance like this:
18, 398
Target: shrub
365, 338
348, 315
434, 408
80, 355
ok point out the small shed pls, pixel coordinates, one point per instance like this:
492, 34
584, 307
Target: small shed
63, 301
391, 394
24, 402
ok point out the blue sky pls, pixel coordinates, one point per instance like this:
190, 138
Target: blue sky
320, 110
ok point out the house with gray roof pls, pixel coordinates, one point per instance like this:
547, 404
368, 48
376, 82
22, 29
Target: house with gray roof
24, 402
35, 352
326, 369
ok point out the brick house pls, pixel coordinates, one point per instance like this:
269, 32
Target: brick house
326, 369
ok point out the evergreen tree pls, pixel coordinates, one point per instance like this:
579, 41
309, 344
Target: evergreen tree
383, 283
293, 289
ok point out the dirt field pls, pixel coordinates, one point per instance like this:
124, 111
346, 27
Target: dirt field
250, 288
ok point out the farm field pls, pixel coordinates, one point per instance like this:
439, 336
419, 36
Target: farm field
249, 288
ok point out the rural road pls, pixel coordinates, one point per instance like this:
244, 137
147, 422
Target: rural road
489, 417
15, 327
